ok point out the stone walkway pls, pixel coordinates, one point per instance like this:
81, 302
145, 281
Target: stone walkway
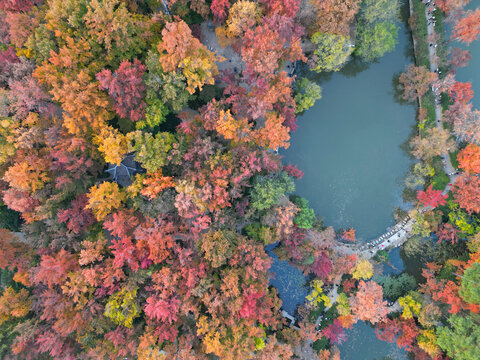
393, 238
231, 60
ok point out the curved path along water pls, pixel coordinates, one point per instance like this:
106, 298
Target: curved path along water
400, 233
447, 164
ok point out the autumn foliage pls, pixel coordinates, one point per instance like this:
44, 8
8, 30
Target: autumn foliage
180, 51
469, 158
141, 178
368, 303
127, 89
461, 92
468, 27
137, 261
431, 198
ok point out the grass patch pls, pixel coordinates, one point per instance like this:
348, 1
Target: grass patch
428, 102
446, 101
418, 24
440, 179
453, 158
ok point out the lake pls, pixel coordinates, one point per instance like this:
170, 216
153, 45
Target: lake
352, 145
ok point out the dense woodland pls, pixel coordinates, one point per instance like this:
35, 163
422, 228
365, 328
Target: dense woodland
141, 182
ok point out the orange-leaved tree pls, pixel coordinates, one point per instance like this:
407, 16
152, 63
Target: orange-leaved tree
469, 158
467, 28
368, 303
105, 198
179, 50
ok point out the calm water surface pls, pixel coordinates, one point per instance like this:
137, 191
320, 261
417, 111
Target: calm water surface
351, 145
362, 344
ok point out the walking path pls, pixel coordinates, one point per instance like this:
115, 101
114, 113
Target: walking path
393, 238
447, 164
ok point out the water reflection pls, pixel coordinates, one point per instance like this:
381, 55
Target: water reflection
290, 283
362, 344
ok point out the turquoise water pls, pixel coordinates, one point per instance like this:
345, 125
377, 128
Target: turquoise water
351, 145
351, 148
290, 283
362, 344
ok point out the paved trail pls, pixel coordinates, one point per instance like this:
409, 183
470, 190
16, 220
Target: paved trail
447, 164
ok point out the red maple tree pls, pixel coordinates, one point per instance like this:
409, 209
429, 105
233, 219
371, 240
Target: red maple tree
431, 198
461, 92
467, 28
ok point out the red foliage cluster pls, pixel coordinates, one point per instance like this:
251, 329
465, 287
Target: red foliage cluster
293, 171
18, 5
127, 89
461, 92
431, 197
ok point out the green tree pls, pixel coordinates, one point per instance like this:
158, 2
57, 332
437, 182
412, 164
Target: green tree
9, 219
331, 51
151, 151
470, 288
396, 286
306, 216
163, 88
306, 93
267, 190
382, 256
261, 233
418, 246
379, 11
460, 340
374, 41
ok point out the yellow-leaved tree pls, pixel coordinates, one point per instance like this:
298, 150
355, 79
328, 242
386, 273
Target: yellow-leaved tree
112, 144
363, 270
410, 306
243, 15
105, 198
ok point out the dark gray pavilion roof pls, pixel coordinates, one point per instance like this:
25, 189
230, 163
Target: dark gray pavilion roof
122, 174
